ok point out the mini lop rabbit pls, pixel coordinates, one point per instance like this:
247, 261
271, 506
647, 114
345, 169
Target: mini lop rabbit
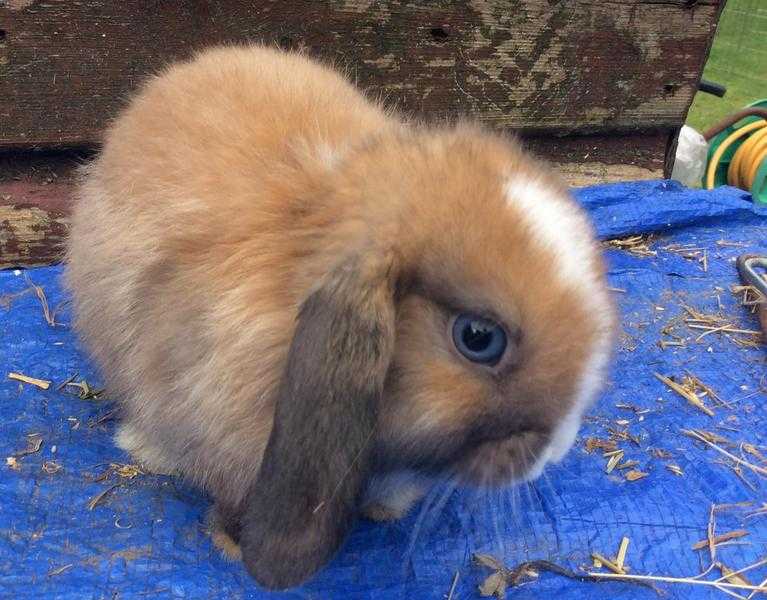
311, 308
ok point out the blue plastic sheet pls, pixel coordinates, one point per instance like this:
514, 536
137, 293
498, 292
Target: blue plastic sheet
145, 538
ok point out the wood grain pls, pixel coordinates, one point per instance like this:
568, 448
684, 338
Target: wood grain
597, 87
33, 223
536, 66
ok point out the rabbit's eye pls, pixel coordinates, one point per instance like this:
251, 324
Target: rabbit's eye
479, 340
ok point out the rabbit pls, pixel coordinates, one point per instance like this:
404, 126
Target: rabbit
313, 308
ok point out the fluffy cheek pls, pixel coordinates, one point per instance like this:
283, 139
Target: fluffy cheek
589, 384
427, 410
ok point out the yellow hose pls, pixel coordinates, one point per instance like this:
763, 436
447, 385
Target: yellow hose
750, 156
760, 158
744, 158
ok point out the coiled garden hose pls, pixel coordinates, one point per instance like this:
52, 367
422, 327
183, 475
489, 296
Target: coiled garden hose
738, 152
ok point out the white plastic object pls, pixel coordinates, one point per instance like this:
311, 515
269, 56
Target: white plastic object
691, 155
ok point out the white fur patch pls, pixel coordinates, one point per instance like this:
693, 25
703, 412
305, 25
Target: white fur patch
564, 435
558, 227
561, 229
133, 442
535, 471
329, 156
397, 491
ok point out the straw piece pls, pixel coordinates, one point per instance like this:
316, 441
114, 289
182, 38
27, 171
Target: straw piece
41, 383
607, 563
688, 395
686, 580
621, 558
718, 539
635, 475
756, 469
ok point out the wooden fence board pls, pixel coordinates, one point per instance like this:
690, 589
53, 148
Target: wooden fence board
536, 66
598, 87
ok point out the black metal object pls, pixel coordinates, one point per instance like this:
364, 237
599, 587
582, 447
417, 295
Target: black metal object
709, 87
747, 269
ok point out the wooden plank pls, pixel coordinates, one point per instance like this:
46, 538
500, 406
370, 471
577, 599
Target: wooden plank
604, 157
33, 223
535, 66
568, 76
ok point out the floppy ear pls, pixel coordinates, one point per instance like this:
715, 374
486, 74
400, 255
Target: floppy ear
304, 500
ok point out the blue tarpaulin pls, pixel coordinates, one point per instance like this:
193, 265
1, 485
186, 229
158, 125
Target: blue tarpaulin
145, 537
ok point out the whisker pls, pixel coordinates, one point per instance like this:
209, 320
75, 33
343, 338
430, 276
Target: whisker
546, 476
526, 484
531, 485
436, 510
425, 505
498, 537
515, 499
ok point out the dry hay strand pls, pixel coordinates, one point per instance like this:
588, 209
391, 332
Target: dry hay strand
710, 323
616, 565
700, 436
722, 584
98, 498
719, 539
749, 296
620, 558
34, 443
635, 475
623, 435
687, 391
601, 561
51, 467
125, 472
731, 581
59, 570
84, 390
40, 293
638, 245
759, 512
40, 383
690, 252
613, 459
454, 584
675, 469
753, 451
693, 383
629, 464
502, 577
593, 443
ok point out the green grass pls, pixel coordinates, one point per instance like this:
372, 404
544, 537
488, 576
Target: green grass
738, 60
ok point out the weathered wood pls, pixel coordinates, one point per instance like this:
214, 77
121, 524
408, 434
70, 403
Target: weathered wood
597, 87
602, 158
537, 66
33, 223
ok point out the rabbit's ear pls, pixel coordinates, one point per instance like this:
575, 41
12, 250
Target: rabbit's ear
304, 500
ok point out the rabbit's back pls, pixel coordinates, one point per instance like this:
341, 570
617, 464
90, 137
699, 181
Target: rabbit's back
181, 244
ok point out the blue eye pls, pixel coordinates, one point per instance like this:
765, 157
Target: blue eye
480, 340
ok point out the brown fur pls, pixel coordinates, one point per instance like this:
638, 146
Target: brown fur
226, 195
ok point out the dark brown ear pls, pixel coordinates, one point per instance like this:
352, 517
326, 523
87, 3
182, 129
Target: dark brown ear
304, 500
